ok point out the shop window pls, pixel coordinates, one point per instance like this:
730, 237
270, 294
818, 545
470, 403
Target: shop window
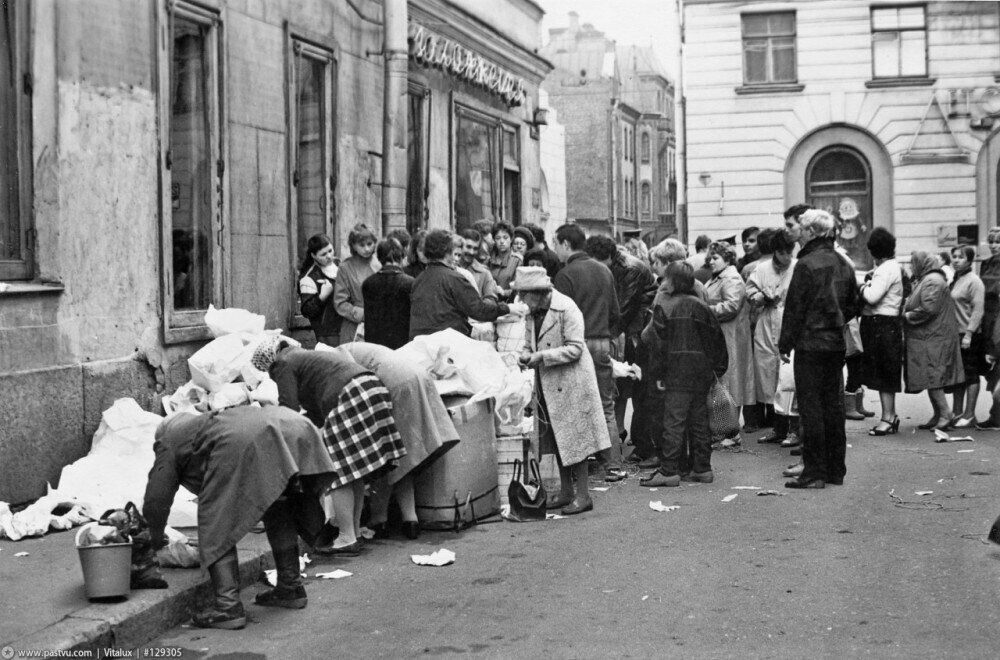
16, 229
192, 170
312, 96
647, 201
838, 181
899, 42
645, 147
769, 48
511, 177
476, 165
417, 154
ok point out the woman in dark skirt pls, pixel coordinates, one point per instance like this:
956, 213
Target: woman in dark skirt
352, 408
969, 294
882, 328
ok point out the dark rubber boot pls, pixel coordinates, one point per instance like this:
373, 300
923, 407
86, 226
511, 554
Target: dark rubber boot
279, 524
227, 612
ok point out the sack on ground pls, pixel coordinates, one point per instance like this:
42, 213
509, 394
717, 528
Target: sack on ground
723, 415
852, 338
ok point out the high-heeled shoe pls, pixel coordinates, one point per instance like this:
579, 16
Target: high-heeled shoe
893, 427
946, 424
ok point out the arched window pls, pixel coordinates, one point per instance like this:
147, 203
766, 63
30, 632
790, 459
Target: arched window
839, 181
646, 199
645, 147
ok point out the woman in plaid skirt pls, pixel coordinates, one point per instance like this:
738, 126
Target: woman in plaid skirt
354, 412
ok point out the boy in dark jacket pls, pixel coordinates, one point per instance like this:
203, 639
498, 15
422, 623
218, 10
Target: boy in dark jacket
688, 353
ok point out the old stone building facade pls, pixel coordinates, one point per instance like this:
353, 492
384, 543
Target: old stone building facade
167, 155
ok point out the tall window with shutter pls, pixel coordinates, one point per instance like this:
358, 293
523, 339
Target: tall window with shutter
16, 229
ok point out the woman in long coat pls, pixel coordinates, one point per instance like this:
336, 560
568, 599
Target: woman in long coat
933, 350
727, 299
348, 299
353, 409
570, 411
244, 464
424, 424
767, 287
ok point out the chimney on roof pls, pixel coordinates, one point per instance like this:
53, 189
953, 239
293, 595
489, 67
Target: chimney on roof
574, 22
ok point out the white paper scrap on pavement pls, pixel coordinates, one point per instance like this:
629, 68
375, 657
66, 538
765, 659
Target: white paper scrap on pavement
554, 516
730, 498
659, 506
441, 557
272, 576
20, 554
334, 575
965, 451
600, 489
923, 492
746, 487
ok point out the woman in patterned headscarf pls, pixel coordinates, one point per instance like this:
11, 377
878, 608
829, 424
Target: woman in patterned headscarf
353, 409
933, 352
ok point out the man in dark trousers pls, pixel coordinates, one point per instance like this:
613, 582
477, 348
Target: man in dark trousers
635, 287
822, 297
592, 287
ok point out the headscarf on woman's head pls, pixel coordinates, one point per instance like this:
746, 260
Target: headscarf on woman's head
267, 351
922, 263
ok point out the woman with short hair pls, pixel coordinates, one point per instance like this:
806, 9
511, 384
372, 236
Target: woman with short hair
882, 328
933, 352
969, 294
347, 296
317, 277
727, 298
503, 261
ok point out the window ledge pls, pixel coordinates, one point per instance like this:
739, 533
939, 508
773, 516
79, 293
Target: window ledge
900, 82
770, 88
30, 288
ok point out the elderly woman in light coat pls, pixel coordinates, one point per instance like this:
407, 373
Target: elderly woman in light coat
569, 405
933, 348
727, 299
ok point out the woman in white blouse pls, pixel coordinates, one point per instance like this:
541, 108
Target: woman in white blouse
882, 329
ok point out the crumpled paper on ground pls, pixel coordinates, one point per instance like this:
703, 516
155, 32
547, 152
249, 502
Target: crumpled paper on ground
441, 557
334, 575
37, 519
659, 506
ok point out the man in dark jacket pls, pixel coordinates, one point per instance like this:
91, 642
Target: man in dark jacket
592, 288
387, 298
822, 297
444, 298
688, 351
550, 261
635, 287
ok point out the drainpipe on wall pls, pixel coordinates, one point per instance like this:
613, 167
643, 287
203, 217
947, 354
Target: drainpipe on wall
394, 117
680, 128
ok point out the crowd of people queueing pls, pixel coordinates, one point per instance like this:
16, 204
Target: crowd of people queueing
791, 304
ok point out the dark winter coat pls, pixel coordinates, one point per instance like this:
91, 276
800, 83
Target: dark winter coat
322, 315
822, 297
686, 346
443, 298
387, 307
592, 287
635, 287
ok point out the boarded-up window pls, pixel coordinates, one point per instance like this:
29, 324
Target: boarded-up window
899, 42
15, 145
769, 48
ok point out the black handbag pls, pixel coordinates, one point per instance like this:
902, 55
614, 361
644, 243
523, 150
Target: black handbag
527, 500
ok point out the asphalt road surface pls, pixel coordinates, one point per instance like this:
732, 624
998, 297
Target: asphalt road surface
867, 569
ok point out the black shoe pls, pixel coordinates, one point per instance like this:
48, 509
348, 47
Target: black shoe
929, 424
411, 529
836, 481
805, 483
350, 550
771, 439
326, 535
558, 501
293, 598
575, 507
612, 475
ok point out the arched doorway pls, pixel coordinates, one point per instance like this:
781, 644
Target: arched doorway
839, 181
850, 150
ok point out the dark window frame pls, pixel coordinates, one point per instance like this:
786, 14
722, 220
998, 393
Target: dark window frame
189, 324
301, 44
17, 23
